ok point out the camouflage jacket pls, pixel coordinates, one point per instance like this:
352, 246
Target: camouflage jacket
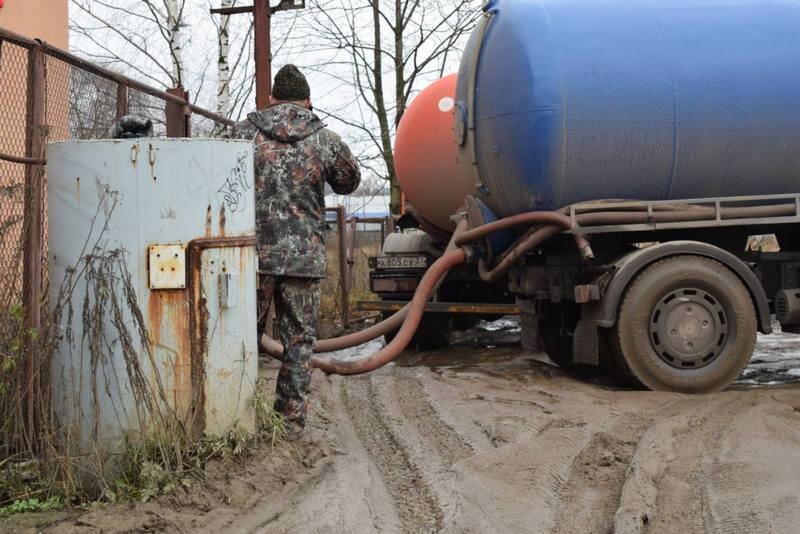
294, 157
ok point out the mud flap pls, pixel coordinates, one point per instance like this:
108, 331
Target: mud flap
529, 324
585, 343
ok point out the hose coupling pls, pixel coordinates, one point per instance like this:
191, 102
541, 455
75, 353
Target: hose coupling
584, 247
470, 257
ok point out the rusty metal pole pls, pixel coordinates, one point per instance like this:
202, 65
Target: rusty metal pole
263, 56
176, 115
344, 275
390, 225
262, 25
34, 184
351, 252
187, 116
122, 100
33, 282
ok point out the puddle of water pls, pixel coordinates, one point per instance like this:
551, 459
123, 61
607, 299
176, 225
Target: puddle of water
775, 361
509, 323
503, 332
355, 353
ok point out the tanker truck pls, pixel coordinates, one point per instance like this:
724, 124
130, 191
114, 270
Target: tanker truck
606, 162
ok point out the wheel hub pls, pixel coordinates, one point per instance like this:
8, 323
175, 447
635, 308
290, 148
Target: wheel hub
688, 328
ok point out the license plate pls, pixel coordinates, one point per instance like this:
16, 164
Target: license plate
402, 262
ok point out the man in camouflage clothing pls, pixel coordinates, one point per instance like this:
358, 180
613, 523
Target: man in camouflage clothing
294, 157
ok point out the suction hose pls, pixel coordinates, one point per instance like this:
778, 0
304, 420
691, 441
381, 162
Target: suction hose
409, 317
553, 223
508, 260
416, 309
535, 217
391, 324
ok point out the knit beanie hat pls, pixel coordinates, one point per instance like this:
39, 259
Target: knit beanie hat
290, 84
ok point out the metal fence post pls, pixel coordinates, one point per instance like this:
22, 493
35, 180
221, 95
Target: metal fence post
176, 113
34, 185
389, 226
187, 115
34, 224
344, 274
122, 100
351, 252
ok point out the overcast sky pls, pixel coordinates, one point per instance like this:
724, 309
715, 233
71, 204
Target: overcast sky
296, 38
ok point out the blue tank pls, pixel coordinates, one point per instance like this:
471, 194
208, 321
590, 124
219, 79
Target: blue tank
560, 101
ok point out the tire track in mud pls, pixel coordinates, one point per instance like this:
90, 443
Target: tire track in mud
566, 448
448, 396
665, 489
724, 511
416, 505
697, 449
741, 496
591, 494
415, 403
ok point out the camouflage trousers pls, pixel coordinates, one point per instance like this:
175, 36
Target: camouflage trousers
296, 304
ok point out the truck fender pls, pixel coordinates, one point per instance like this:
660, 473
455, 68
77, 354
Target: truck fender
603, 313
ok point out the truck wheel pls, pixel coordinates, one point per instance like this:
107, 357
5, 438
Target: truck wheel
434, 331
686, 323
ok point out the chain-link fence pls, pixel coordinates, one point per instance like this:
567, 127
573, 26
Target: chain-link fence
48, 95
13, 111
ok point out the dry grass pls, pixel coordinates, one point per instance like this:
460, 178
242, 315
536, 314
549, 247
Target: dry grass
25, 422
37, 464
367, 244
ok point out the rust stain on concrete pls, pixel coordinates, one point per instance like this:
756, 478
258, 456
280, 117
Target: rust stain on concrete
168, 312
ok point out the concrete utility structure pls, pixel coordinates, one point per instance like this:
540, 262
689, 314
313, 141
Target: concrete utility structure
175, 217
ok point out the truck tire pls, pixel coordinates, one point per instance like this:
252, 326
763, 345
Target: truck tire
432, 333
686, 323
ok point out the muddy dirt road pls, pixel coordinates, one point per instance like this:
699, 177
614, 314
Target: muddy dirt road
492, 440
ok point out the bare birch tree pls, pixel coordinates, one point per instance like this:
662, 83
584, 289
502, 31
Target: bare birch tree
223, 66
173, 35
366, 57
164, 43
132, 35
383, 51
